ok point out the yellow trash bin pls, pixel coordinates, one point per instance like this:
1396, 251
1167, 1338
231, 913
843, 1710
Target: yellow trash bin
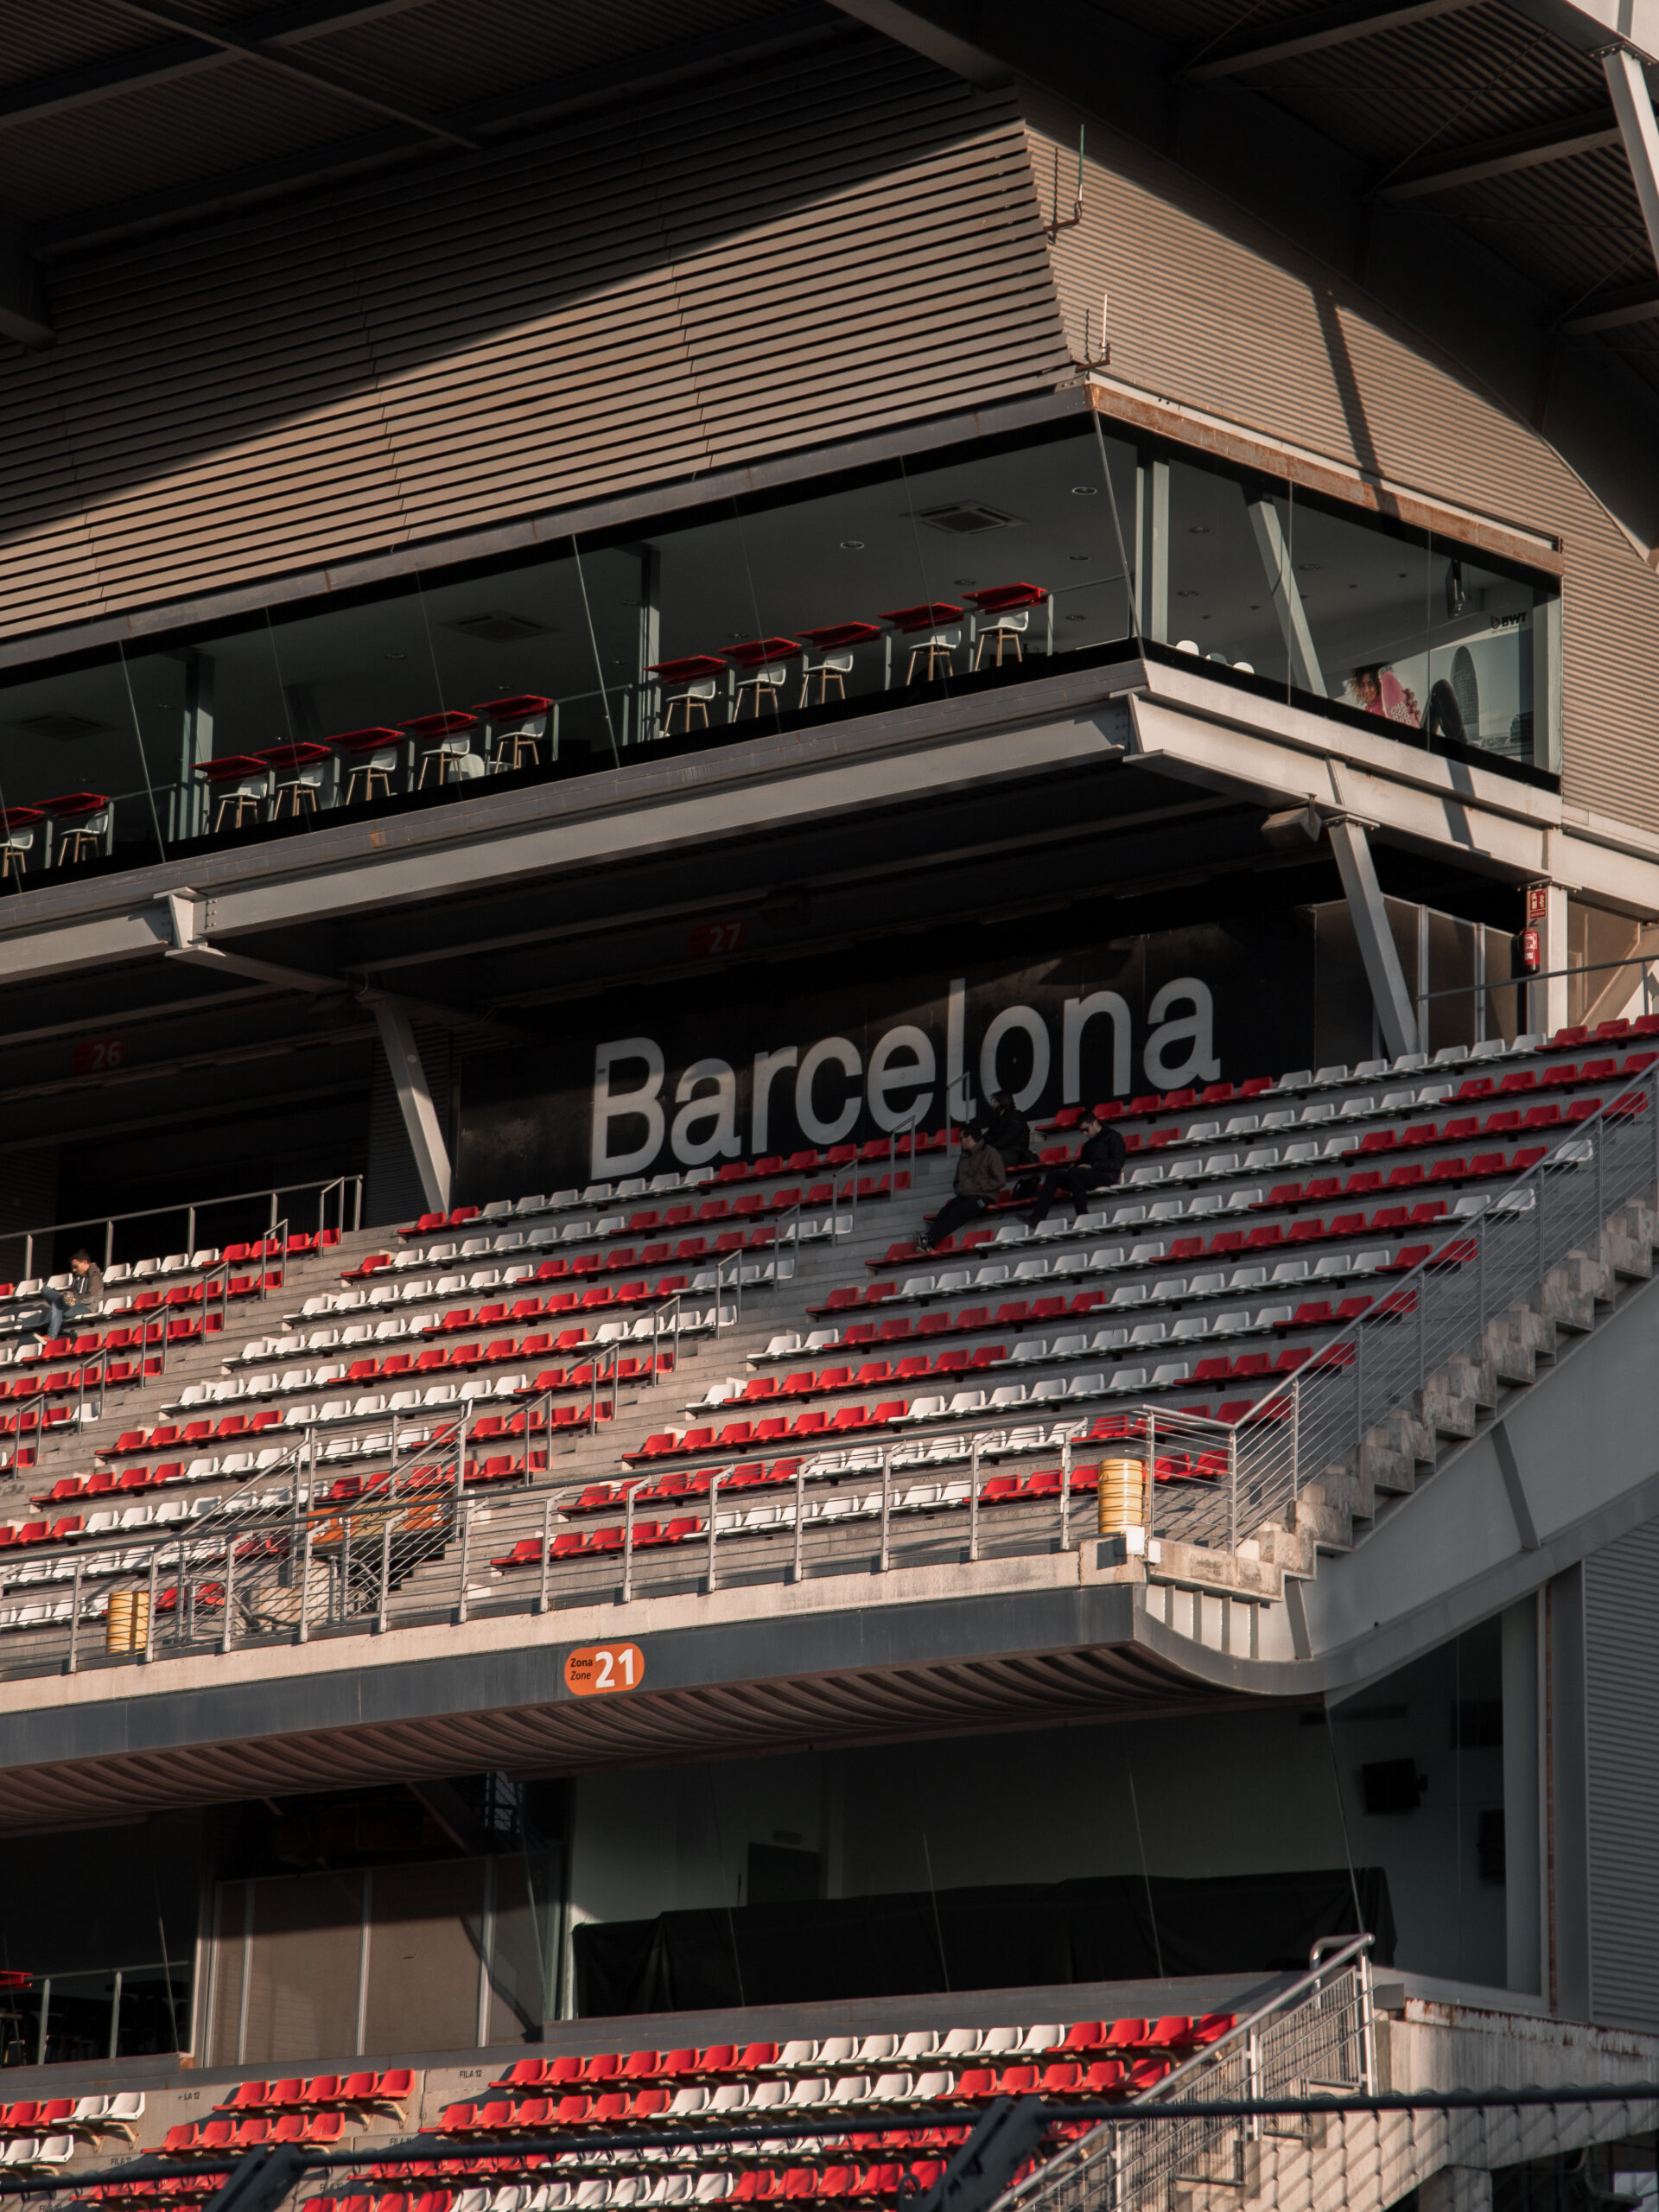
127, 1628
1122, 1489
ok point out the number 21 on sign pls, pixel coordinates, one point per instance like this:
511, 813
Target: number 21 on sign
597, 1667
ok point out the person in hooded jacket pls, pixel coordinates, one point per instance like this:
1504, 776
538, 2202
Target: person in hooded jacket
1098, 1165
1010, 1133
980, 1176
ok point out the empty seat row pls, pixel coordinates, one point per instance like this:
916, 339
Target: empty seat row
321, 2093
199, 2138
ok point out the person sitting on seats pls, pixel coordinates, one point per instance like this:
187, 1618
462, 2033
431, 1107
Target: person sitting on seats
1009, 1133
980, 1176
82, 1299
1098, 1165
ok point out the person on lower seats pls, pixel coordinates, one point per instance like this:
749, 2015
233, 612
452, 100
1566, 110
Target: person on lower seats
1010, 1133
84, 1296
1097, 1167
980, 1176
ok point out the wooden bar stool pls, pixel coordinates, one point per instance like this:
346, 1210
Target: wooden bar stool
767, 660
447, 738
933, 642
689, 684
17, 826
1004, 618
372, 754
517, 729
83, 820
240, 781
835, 647
298, 771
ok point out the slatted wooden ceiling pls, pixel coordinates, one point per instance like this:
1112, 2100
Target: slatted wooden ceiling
830, 239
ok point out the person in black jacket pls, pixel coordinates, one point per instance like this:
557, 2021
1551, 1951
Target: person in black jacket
1098, 1165
980, 1177
1010, 1133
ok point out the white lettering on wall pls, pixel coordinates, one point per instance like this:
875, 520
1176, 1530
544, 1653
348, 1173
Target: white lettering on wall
839, 1052
612, 1105
766, 1064
958, 1096
889, 1072
1078, 1014
1195, 1031
716, 1108
1012, 1017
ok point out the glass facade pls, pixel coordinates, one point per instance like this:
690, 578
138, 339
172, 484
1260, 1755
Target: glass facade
955, 571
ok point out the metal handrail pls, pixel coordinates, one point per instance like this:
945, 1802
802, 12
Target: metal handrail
189, 1209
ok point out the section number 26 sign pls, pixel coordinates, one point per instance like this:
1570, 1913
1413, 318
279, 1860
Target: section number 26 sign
597, 1667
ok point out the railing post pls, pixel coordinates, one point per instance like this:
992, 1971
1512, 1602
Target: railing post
1232, 1487
190, 1230
886, 1508
1480, 1272
714, 1487
798, 1569
466, 1560
74, 1619
627, 1543
1152, 1475
385, 1576
1296, 1437
973, 1504
304, 1635
1066, 1493
150, 1615
225, 1632
547, 1538
1601, 1200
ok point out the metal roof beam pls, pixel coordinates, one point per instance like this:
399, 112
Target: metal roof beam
1633, 105
533, 105
112, 74
948, 32
272, 56
1490, 157
1635, 303
1319, 29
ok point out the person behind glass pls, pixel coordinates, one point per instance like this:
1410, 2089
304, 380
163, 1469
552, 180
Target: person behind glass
980, 1176
83, 1297
1098, 1165
1009, 1133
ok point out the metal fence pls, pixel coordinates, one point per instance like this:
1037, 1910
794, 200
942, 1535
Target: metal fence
1497, 1253
1317, 2036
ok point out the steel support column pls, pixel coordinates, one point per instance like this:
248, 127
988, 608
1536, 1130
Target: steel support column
1387, 978
1633, 105
414, 1100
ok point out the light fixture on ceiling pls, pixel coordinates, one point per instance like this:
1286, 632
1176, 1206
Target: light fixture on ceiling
968, 518
497, 629
61, 726
1085, 491
852, 545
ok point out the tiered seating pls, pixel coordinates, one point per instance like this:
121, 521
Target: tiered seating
206, 2138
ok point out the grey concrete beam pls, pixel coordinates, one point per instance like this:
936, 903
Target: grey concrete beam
1627, 84
421, 1122
1376, 947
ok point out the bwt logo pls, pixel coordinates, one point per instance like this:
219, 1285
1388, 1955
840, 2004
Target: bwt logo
830, 1085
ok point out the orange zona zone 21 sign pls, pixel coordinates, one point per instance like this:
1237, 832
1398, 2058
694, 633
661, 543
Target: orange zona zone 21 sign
598, 1667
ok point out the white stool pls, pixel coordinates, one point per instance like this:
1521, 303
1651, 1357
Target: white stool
938, 645
300, 789
1006, 629
693, 698
79, 832
456, 761
762, 682
373, 767
252, 792
18, 842
832, 668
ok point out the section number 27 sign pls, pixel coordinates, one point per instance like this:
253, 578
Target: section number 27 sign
597, 1667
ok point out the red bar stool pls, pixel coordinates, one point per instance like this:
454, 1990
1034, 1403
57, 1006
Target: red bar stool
17, 825
835, 647
447, 738
516, 729
1005, 616
304, 777
241, 781
690, 683
373, 755
89, 812
767, 662
934, 641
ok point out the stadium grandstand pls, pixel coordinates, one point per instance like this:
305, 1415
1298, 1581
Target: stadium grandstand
617, 624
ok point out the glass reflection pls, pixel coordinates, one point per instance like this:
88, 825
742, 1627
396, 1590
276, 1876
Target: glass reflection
973, 567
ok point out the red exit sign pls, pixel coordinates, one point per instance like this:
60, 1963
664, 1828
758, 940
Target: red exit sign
97, 1055
710, 939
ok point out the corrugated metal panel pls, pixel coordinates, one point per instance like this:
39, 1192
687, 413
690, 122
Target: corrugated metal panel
833, 243
1621, 1603
1210, 308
